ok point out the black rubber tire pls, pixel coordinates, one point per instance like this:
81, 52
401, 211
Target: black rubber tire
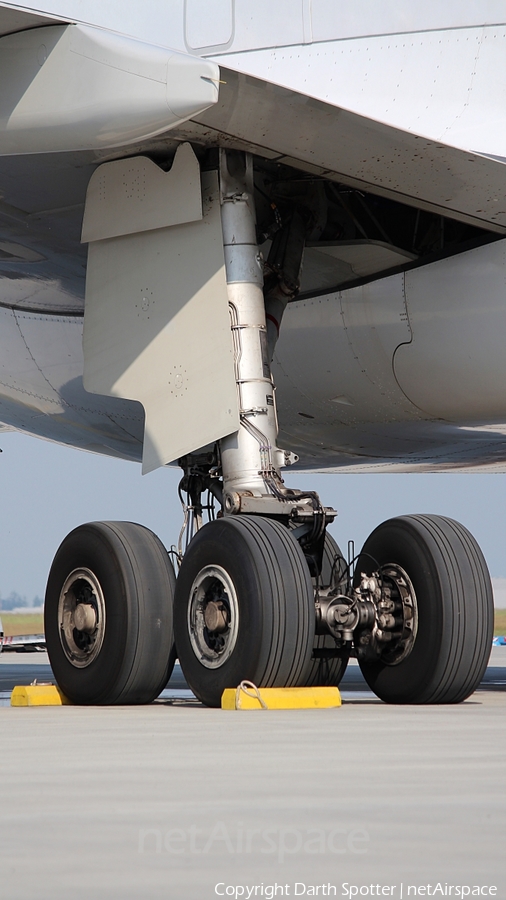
455, 609
137, 580
275, 601
327, 672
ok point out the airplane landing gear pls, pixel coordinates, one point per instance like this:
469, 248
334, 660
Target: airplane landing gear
263, 592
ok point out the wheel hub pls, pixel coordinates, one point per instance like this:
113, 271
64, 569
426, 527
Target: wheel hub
216, 616
393, 634
213, 616
81, 617
85, 617
380, 615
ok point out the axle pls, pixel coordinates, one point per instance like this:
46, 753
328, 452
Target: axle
379, 614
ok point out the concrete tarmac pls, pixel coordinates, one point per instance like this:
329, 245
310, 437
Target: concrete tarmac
177, 801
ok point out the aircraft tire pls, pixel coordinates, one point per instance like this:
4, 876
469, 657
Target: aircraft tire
252, 570
120, 574
455, 609
327, 672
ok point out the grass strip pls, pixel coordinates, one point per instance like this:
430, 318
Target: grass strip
22, 623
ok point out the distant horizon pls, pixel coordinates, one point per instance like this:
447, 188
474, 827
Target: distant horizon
48, 489
23, 603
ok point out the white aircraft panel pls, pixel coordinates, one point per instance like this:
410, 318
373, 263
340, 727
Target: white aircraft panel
208, 24
69, 87
125, 197
342, 20
267, 23
455, 366
157, 330
346, 378
447, 85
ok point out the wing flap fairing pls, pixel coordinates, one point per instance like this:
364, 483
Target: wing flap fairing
72, 87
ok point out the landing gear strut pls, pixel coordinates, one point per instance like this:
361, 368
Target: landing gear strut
244, 605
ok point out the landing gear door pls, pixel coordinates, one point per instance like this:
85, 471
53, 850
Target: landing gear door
156, 324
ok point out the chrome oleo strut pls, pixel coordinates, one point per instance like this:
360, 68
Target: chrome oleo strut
249, 460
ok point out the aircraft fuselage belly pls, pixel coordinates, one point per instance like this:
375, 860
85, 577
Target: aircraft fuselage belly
407, 371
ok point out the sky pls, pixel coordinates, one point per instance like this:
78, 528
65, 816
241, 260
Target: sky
46, 490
